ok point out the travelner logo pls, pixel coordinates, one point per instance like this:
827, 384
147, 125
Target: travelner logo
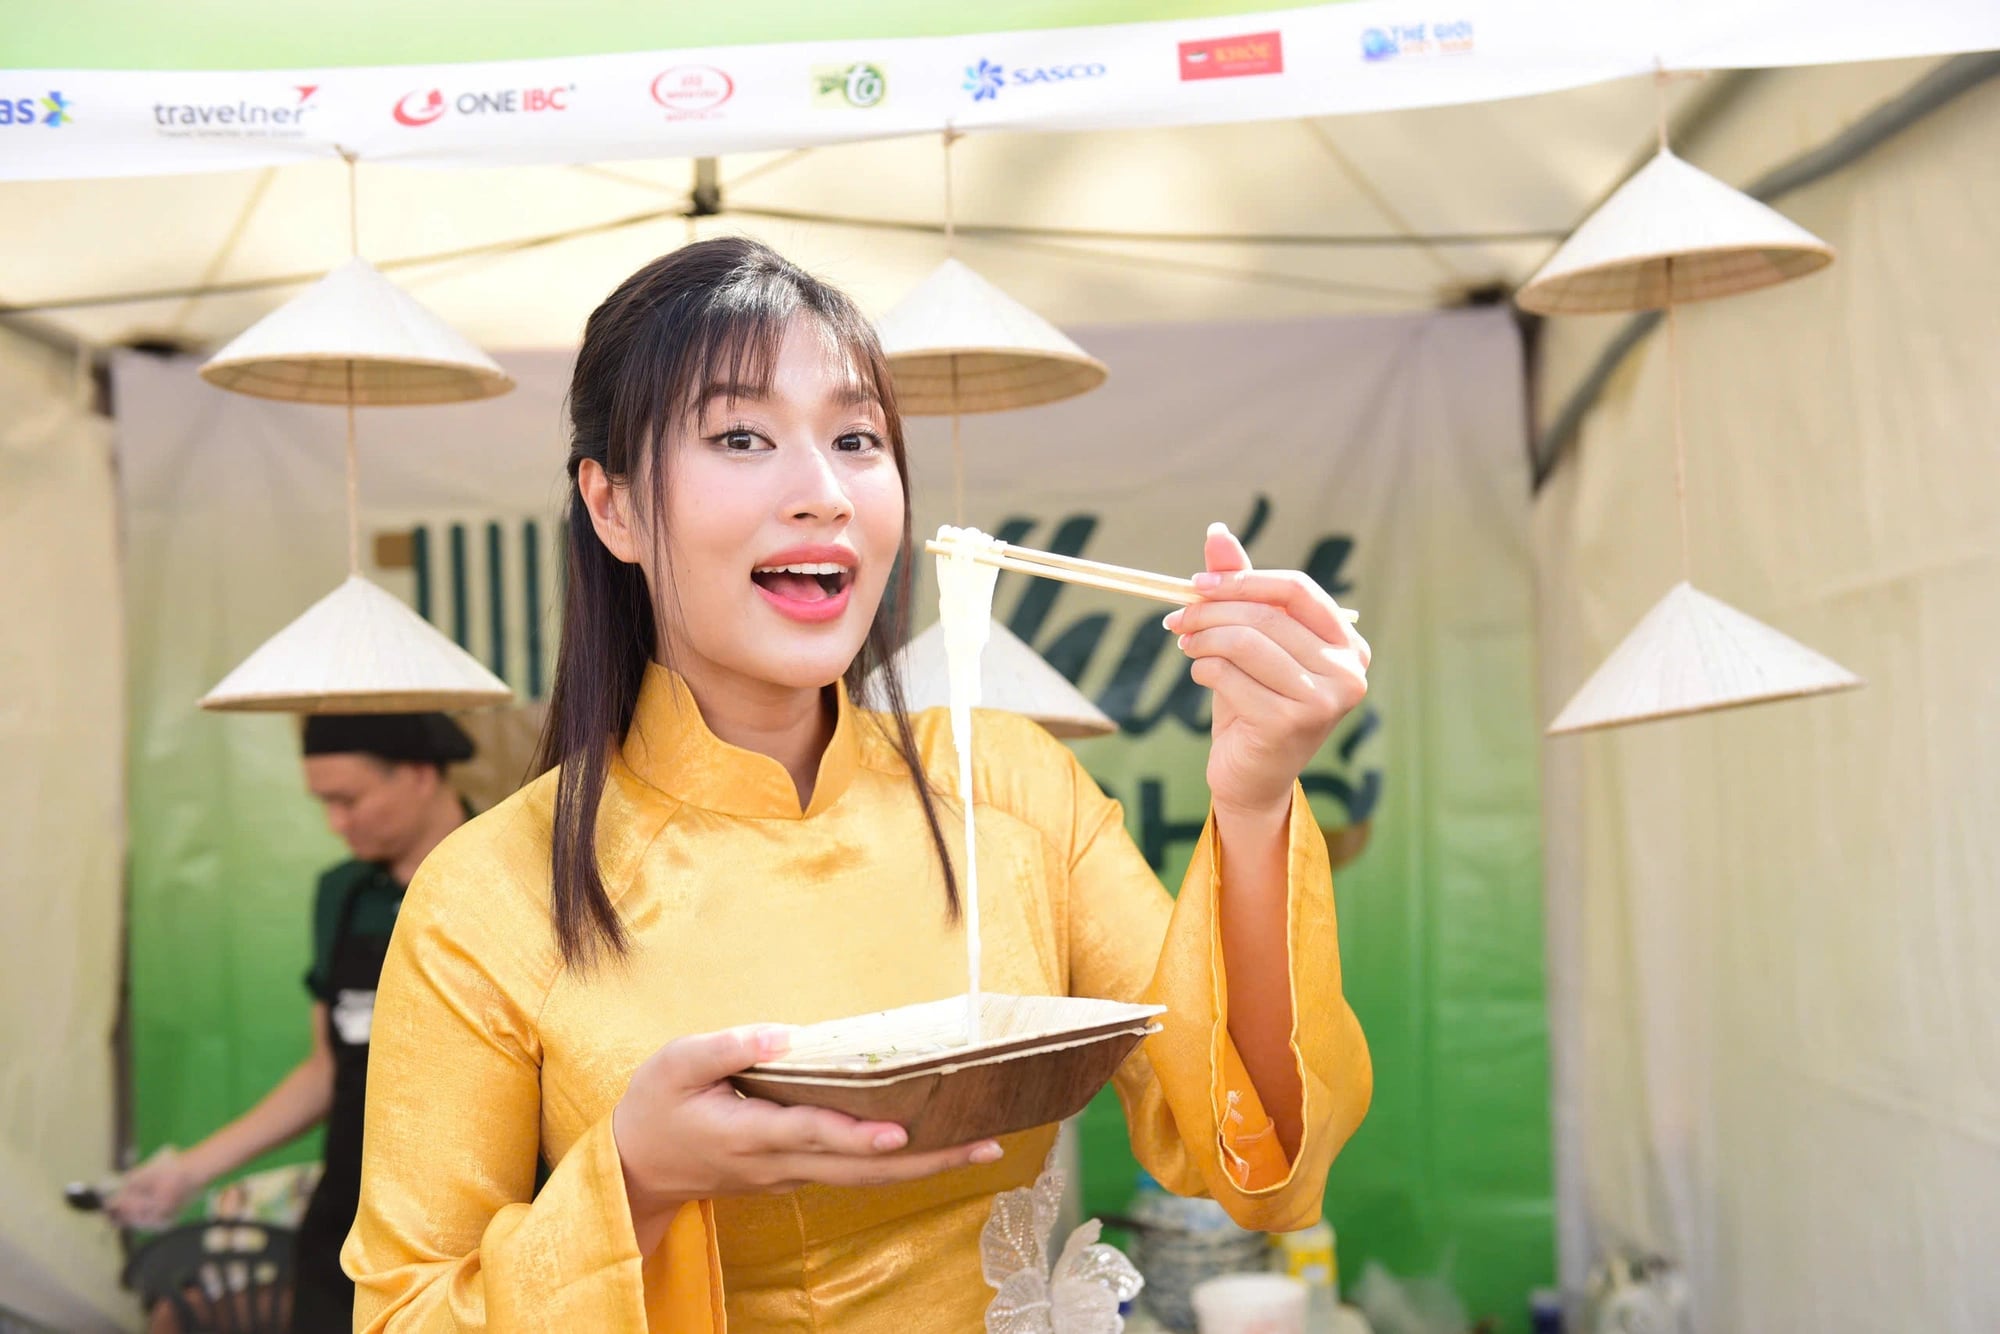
692, 92
985, 80
427, 106
860, 85
50, 109
242, 119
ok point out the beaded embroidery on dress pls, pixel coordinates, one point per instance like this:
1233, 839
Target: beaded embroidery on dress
1080, 1295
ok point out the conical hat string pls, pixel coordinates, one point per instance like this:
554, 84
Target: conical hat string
1674, 356
353, 459
952, 136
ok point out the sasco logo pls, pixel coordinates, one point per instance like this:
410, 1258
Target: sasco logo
860, 85
1233, 57
50, 109
1414, 40
692, 92
427, 106
242, 119
985, 80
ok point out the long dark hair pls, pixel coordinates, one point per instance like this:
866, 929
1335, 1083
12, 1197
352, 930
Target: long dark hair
712, 312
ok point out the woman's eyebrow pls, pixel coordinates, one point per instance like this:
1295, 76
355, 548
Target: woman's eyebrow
850, 396
731, 392
853, 391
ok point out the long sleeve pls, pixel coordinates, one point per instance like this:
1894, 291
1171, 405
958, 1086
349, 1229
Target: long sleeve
1196, 1122
451, 1234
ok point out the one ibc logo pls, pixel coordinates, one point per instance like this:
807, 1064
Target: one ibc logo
428, 106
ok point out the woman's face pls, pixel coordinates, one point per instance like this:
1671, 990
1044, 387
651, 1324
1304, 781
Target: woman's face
784, 515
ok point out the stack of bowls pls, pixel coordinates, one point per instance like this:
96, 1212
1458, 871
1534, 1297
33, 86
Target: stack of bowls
1178, 1242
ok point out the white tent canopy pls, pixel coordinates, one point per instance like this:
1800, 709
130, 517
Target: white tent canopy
1299, 212
1263, 203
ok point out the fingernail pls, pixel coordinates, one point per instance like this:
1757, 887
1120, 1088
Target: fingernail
1171, 621
891, 1139
1207, 582
1181, 642
986, 1153
774, 1041
1218, 528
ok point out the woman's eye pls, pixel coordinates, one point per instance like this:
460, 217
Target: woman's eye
742, 441
858, 442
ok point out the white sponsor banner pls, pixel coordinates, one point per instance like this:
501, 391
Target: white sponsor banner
1368, 55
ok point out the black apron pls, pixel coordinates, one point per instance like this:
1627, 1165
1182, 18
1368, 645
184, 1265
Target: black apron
324, 1296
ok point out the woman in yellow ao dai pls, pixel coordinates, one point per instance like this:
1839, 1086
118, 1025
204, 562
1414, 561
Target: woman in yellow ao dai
730, 841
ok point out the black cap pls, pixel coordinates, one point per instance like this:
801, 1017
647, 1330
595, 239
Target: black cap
403, 738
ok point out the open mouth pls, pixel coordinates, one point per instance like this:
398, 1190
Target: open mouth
806, 581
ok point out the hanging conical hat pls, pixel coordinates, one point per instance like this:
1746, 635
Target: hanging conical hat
1694, 654
359, 649
1012, 678
400, 352
1007, 356
1721, 242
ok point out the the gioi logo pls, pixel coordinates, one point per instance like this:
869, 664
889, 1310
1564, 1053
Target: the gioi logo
1408, 40
51, 109
985, 80
427, 106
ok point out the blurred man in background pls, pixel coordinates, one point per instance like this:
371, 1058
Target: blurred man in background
381, 778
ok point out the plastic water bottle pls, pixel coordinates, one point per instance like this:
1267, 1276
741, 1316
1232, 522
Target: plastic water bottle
1312, 1256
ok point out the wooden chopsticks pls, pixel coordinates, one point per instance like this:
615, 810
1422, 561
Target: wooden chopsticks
1084, 573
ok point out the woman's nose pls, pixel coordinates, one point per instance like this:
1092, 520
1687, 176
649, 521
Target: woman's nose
817, 491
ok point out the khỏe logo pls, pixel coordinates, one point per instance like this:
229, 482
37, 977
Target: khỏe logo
1233, 57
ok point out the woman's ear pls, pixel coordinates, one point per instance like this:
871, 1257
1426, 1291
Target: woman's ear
610, 507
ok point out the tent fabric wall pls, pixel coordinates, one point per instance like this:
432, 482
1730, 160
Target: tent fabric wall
62, 824
1772, 932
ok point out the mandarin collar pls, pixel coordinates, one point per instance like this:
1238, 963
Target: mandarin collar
670, 747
